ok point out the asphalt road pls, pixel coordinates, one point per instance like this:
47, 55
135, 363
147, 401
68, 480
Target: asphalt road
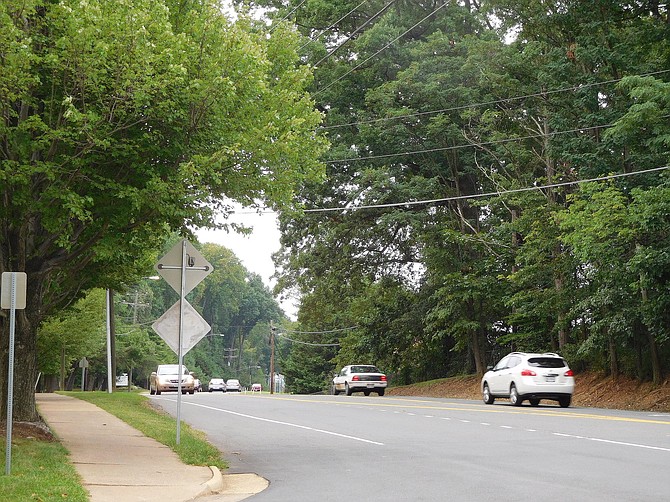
365, 449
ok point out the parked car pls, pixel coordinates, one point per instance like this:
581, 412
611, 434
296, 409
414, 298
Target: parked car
256, 387
233, 385
166, 379
363, 378
197, 385
216, 384
522, 376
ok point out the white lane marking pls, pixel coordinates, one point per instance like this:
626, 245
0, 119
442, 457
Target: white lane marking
429, 416
506, 427
531, 430
484, 423
621, 443
279, 422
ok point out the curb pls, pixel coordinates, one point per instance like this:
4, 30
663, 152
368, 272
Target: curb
214, 485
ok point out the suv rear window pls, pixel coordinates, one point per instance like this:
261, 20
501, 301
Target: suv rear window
546, 362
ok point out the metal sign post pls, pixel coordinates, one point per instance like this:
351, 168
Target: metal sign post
13, 297
183, 267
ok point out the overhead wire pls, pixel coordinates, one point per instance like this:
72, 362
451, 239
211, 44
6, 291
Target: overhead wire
318, 35
488, 194
320, 332
497, 193
283, 337
470, 145
494, 102
287, 15
356, 31
380, 50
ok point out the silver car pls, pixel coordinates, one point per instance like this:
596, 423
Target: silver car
166, 378
364, 378
521, 376
216, 384
233, 385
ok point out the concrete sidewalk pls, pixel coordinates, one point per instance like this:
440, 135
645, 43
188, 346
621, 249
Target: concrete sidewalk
118, 463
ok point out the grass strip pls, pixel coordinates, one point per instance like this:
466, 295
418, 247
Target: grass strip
40, 471
136, 410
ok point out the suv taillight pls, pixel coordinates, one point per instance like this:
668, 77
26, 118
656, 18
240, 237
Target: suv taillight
569, 373
528, 372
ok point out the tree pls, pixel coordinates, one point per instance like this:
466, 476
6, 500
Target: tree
430, 101
123, 121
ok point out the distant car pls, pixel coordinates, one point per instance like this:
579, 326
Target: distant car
166, 379
363, 378
197, 385
233, 385
522, 376
256, 387
216, 384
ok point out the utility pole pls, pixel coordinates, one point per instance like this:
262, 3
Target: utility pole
272, 357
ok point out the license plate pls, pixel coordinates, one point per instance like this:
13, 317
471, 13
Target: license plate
550, 379
370, 385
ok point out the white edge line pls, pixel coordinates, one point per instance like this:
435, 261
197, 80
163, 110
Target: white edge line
297, 426
622, 443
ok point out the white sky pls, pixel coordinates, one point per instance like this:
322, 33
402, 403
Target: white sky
254, 250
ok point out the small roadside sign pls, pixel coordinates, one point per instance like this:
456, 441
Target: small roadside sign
20, 280
196, 268
195, 327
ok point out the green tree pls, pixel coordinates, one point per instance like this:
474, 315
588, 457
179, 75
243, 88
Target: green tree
123, 121
429, 101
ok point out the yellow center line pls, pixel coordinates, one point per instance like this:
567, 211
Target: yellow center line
415, 404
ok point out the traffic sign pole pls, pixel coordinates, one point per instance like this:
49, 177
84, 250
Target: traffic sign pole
180, 353
15, 282
173, 267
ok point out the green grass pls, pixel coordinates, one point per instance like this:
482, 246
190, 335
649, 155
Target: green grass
135, 410
40, 471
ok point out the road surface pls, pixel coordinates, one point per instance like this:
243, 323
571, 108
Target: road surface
367, 449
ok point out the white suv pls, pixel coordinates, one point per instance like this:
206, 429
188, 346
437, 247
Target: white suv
520, 376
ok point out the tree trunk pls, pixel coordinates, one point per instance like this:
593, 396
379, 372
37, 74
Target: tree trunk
25, 369
656, 372
614, 358
477, 353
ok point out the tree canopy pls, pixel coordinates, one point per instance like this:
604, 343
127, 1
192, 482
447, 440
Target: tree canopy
457, 222
123, 121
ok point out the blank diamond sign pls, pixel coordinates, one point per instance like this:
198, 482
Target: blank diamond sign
195, 327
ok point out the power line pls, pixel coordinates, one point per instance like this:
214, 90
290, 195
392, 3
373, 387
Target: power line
469, 145
320, 332
473, 196
357, 30
288, 15
495, 102
379, 51
283, 337
489, 194
318, 35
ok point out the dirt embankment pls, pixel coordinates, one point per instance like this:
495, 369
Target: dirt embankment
591, 390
